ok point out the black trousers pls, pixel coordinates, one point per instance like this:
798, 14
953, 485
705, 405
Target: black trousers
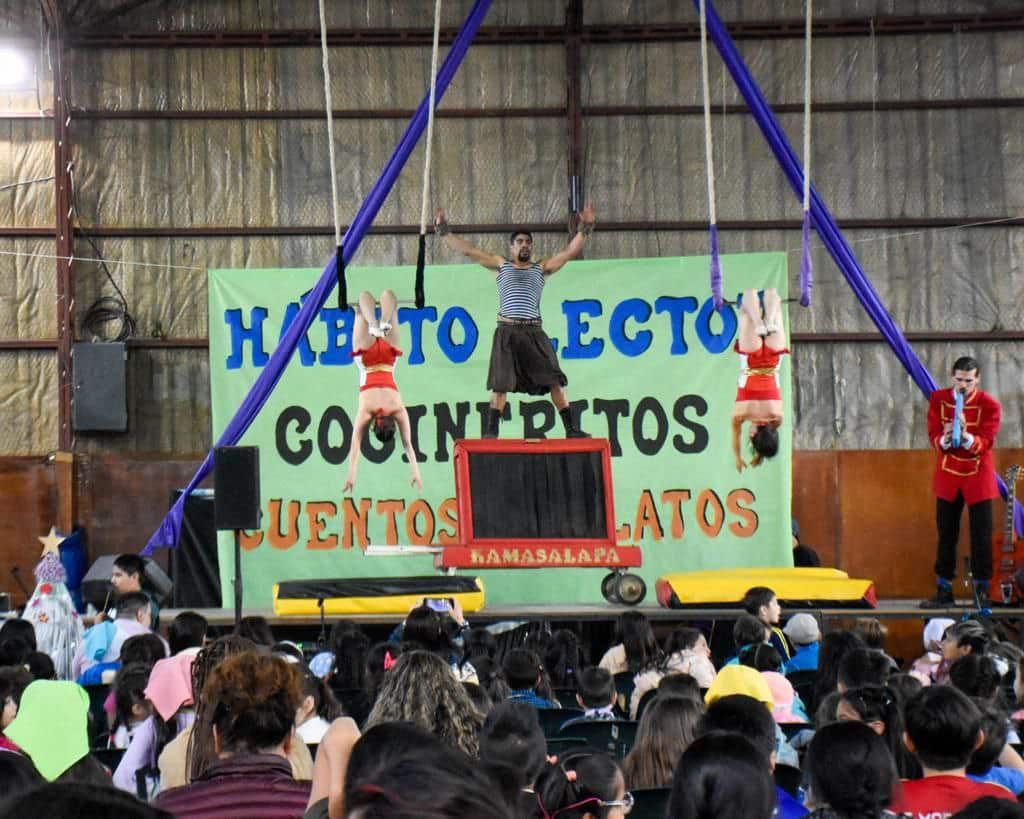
947, 519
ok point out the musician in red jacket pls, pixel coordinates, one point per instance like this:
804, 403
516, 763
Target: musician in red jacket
963, 475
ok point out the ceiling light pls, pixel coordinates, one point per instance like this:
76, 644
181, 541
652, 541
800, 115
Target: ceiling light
16, 67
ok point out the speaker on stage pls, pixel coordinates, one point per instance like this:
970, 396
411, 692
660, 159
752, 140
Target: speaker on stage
236, 487
195, 567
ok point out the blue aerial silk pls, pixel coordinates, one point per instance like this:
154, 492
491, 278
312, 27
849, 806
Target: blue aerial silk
167, 533
822, 219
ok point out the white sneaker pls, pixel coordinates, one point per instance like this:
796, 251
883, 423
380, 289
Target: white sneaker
385, 327
772, 328
377, 332
761, 329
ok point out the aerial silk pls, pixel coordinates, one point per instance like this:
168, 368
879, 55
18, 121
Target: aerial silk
806, 273
715, 267
421, 251
166, 535
824, 223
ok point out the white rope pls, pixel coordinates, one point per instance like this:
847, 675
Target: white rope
807, 108
112, 262
708, 148
424, 215
330, 122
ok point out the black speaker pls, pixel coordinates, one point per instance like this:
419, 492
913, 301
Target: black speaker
100, 402
195, 567
236, 487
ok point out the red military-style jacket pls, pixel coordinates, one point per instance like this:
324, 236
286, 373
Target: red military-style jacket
960, 469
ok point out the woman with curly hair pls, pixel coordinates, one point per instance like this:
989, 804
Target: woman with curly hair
667, 727
420, 688
250, 702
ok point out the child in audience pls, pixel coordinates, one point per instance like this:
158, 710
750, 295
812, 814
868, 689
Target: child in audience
187, 632
959, 640
523, 672
879, 709
834, 646
990, 808
681, 685
905, 687
748, 630
564, 659
787, 708
398, 771
131, 706
317, 709
863, 666
724, 776
803, 632
849, 772
667, 727
257, 629
585, 784
750, 718
514, 751
635, 647
688, 652
761, 602
926, 667
943, 728
596, 695
984, 766
13, 682
977, 676
872, 631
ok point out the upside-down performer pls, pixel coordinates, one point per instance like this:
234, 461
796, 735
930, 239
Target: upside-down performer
375, 350
761, 344
522, 359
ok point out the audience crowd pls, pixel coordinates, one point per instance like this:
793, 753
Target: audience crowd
444, 719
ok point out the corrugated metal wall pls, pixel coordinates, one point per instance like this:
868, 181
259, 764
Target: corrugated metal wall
174, 174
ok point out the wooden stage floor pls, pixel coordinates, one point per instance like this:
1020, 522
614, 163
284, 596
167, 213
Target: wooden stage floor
887, 609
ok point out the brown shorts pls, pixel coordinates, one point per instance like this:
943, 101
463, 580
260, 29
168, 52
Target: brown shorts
522, 360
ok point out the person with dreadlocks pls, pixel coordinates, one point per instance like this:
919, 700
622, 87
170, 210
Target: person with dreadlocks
375, 351
761, 343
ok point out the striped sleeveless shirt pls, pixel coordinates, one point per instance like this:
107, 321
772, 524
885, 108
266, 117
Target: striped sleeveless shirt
519, 290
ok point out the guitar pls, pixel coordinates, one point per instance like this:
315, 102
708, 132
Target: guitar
1007, 557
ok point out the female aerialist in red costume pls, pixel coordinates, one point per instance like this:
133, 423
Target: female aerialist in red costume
375, 350
761, 344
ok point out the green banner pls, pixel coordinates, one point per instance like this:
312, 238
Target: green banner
649, 361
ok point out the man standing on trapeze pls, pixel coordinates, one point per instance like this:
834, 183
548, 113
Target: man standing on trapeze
522, 359
761, 344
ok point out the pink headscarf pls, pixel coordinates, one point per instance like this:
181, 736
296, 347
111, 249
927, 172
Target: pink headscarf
170, 684
783, 695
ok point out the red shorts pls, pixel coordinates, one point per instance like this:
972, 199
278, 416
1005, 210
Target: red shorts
759, 388
379, 380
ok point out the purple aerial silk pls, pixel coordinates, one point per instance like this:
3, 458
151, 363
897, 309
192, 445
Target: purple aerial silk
823, 221
715, 269
167, 533
806, 272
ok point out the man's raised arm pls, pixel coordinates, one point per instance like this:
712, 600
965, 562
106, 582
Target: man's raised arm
575, 247
488, 260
